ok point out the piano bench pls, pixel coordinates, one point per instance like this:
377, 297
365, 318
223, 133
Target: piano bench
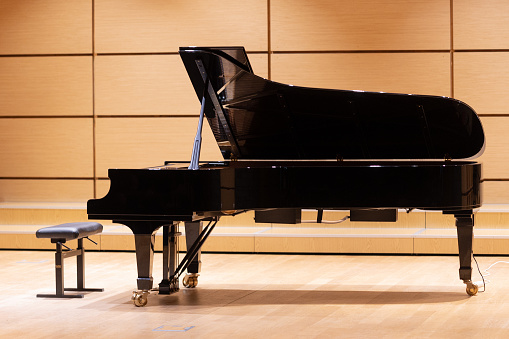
59, 234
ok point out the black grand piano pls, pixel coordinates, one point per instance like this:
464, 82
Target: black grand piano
288, 148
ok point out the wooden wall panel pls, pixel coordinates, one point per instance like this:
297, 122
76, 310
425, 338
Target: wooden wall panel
155, 85
149, 85
496, 155
142, 85
46, 190
359, 25
496, 192
164, 26
145, 142
481, 79
46, 86
260, 64
481, 24
102, 187
491, 217
46, 147
45, 26
311, 244
417, 73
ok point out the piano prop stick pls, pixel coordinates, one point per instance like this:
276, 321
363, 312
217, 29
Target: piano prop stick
195, 157
288, 148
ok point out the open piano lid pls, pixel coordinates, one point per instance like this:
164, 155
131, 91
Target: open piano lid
255, 118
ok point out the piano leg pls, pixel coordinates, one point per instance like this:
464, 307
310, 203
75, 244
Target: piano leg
193, 231
144, 239
144, 259
465, 230
144, 244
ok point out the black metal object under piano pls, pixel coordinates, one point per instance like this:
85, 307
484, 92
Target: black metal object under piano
288, 148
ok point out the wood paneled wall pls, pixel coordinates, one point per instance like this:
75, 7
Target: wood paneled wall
86, 85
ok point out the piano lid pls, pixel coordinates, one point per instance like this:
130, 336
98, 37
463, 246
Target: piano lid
254, 118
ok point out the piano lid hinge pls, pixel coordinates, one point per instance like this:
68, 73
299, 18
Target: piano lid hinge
447, 157
339, 157
233, 157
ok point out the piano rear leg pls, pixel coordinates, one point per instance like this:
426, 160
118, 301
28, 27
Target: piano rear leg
465, 231
193, 231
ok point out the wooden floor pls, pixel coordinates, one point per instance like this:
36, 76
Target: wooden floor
258, 296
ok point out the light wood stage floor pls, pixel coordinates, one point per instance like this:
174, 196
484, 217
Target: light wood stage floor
258, 296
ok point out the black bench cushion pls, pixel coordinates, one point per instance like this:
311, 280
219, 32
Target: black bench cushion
70, 231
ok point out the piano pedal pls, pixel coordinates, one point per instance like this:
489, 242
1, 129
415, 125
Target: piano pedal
139, 298
190, 280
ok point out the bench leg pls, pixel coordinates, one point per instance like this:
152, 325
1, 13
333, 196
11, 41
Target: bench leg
59, 273
59, 277
80, 267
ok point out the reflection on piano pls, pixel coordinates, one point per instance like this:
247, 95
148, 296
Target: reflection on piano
288, 148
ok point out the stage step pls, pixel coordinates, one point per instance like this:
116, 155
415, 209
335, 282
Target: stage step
417, 232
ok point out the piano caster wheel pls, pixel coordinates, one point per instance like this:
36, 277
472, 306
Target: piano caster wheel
471, 288
139, 298
190, 280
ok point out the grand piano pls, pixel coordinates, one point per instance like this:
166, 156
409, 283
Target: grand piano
288, 148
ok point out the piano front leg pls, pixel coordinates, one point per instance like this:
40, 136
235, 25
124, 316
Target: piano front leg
144, 236
144, 244
465, 231
144, 239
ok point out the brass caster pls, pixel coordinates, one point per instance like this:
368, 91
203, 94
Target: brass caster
139, 298
190, 280
471, 288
